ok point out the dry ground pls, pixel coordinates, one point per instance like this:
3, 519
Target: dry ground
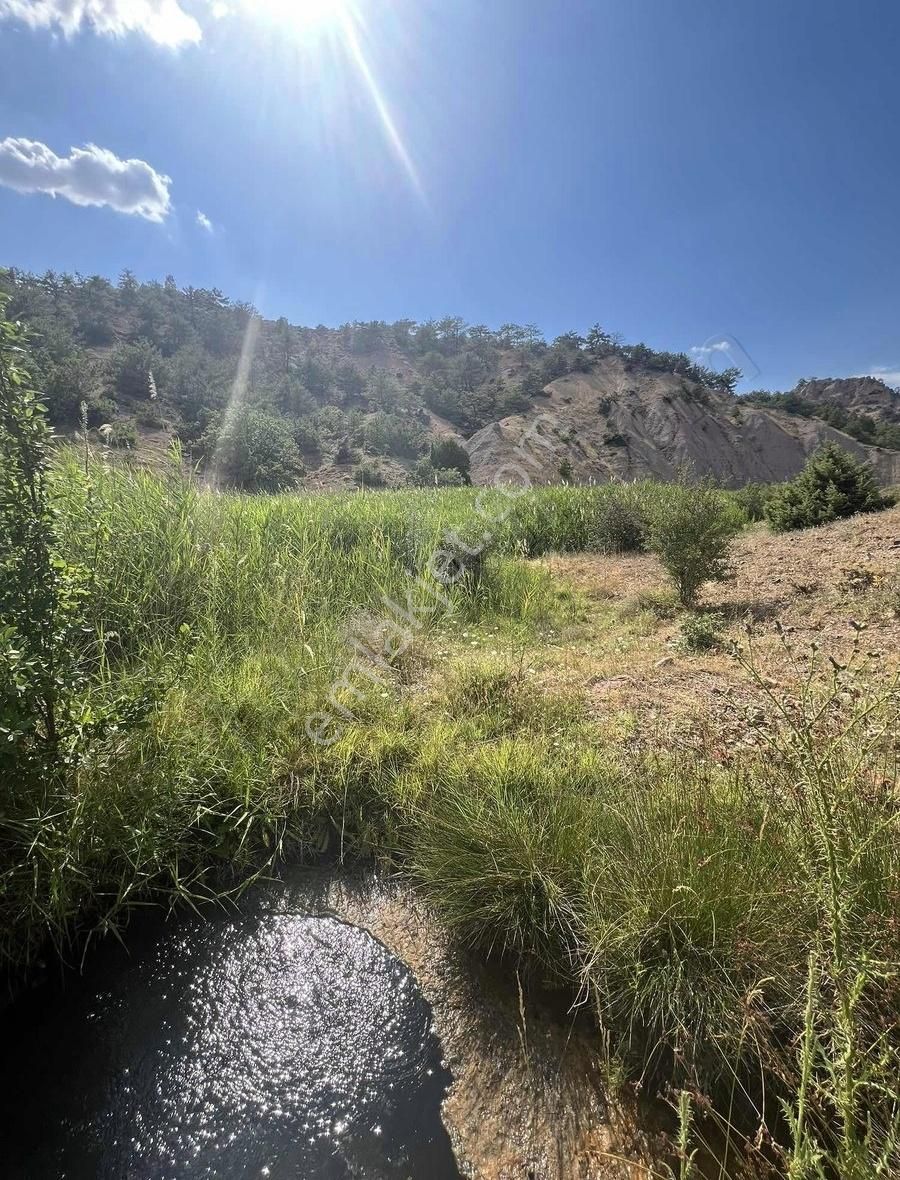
793, 590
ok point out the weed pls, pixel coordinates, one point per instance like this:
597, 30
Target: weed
701, 631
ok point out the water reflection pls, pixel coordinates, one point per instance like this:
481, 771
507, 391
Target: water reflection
274, 1045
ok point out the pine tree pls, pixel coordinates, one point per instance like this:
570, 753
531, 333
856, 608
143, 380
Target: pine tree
832, 485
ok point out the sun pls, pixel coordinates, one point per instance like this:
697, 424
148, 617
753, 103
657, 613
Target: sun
304, 15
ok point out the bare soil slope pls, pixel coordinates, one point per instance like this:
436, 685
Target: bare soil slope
859, 395
621, 423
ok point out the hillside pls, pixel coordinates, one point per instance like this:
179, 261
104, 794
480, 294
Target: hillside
262, 404
618, 422
866, 408
857, 395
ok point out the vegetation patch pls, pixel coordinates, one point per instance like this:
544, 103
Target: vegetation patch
831, 486
729, 918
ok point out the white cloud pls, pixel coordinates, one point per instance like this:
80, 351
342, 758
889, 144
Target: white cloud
884, 373
204, 222
163, 21
87, 176
709, 349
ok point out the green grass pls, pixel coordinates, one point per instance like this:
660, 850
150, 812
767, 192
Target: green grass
734, 932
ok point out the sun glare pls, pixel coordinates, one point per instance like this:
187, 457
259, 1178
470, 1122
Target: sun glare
304, 15
333, 35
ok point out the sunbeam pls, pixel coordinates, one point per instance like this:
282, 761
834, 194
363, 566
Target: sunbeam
378, 100
331, 44
237, 397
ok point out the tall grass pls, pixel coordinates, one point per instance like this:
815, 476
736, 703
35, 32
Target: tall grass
734, 932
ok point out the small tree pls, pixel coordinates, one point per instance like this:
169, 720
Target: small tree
425, 475
257, 451
369, 475
447, 452
67, 384
832, 485
619, 524
130, 368
691, 531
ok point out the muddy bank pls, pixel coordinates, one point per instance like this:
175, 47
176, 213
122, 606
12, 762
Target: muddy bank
527, 1100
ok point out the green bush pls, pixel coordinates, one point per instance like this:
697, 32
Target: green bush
67, 385
256, 451
752, 499
701, 632
306, 438
426, 475
50, 713
123, 435
36, 675
100, 411
392, 434
831, 486
620, 524
691, 530
345, 452
151, 419
447, 452
369, 475
130, 367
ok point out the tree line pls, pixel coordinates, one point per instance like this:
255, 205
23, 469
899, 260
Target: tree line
270, 400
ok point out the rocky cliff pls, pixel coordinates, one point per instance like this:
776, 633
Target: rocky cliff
622, 422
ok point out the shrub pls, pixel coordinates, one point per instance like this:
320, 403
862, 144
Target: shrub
130, 368
692, 530
123, 435
832, 485
701, 632
345, 452
369, 475
36, 641
426, 475
752, 499
620, 524
306, 438
151, 419
447, 452
392, 434
67, 385
100, 411
256, 451
48, 722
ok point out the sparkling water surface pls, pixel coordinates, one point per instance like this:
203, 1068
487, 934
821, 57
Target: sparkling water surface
270, 1044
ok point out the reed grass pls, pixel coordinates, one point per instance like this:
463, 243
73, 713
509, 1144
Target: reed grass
734, 932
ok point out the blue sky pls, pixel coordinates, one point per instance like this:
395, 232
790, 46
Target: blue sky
683, 172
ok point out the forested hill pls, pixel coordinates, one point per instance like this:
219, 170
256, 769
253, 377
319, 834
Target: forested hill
264, 404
